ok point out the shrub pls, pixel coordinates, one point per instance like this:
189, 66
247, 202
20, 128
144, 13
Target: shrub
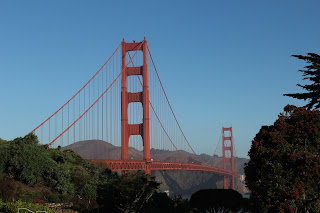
27, 196
12, 207
65, 197
53, 198
89, 191
28, 161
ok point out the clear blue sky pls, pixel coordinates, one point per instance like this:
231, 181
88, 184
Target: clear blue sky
222, 62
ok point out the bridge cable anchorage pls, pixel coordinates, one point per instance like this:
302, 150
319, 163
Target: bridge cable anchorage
93, 103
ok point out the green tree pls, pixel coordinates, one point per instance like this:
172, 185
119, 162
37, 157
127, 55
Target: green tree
311, 73
127, 193
25, 159
71, 177
161, 202
283, 173
216, 200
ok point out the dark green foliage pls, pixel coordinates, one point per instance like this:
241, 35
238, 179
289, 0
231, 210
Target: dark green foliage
65, 198
283, 173
25, 159
89, 191
216, 200
53, 198
30, 139
61, 180
180, 204
28, 196
3, 157
65, 172
12, 207
2, 153
72, 174
161, 202
312, 73
66, 177
127, 193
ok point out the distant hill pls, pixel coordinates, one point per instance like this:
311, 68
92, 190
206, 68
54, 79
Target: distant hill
177, 182
96, 149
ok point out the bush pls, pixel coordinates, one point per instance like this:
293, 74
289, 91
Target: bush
67, 174
28, 196
62, 179
2, 205
4, 156
25, 159
216, 200
13, 207
65, 197
53, 198
89, 191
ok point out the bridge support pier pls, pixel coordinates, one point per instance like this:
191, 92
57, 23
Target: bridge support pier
228, 157
142, 129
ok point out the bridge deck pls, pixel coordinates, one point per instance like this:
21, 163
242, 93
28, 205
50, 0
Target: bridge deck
119, 165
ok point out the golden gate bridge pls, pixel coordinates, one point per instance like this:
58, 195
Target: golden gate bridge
125, 105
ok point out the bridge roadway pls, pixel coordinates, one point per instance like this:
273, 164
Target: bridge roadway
119, 165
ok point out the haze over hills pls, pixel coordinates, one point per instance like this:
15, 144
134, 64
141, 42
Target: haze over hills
176, 182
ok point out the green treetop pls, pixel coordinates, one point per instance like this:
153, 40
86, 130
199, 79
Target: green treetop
312, 73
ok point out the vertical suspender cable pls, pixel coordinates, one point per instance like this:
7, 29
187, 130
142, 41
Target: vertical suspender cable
68, 125
107, 129
61, 139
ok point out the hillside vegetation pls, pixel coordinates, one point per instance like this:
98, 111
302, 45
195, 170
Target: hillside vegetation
30, 172
33, 175
37, 177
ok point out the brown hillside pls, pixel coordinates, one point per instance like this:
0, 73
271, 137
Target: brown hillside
176, 182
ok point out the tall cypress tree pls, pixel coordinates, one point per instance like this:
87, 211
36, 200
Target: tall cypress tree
311, 73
